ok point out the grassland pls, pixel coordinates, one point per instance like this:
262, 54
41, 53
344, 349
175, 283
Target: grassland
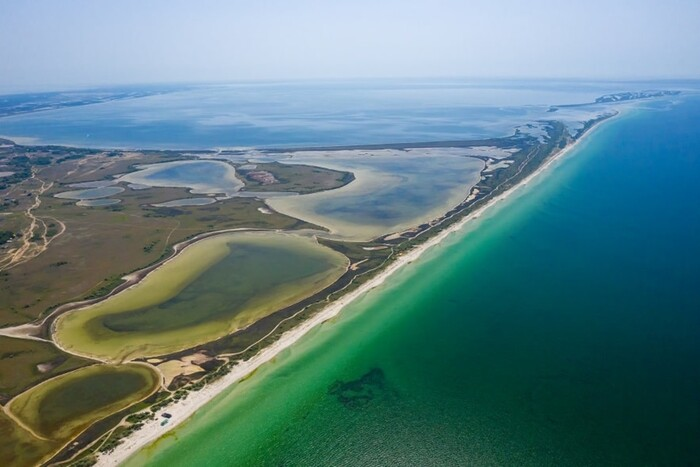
25, 363
19, 447
101, 244
213, 288
61, 408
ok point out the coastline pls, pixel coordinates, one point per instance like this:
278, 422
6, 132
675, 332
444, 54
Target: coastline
184, 408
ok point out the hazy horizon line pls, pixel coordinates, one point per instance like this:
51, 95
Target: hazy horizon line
13, 88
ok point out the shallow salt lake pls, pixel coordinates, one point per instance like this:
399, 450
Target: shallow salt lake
211, 289
201, 176
186, 202
98, 202
90, 193
393, 190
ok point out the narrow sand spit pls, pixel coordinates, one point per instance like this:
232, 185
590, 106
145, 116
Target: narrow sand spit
183, 409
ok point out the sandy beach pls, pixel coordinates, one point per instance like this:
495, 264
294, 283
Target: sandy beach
183, 409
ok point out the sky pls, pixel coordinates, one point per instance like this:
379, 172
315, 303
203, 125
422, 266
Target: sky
72, 43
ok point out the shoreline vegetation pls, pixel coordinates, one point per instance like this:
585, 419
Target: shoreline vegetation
109, 441
182, 409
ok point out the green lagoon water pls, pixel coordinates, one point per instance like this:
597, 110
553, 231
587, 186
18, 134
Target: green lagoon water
213, 288
561, 329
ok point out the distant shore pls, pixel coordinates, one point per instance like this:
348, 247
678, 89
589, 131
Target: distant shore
184, 408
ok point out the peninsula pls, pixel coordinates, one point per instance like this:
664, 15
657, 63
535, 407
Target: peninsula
106, 254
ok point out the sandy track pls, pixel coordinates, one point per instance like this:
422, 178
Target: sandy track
35, 239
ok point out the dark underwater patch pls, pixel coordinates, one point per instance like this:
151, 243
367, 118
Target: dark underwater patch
358, 393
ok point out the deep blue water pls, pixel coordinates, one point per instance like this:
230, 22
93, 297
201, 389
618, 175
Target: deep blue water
561, 329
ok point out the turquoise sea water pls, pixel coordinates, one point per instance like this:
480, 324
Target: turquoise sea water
561, 329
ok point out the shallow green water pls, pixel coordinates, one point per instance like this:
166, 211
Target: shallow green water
563, 329
64, 406
261, 269
213, 288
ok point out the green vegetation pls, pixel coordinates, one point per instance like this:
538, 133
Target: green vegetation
296, 178
24, 363
60, 408
51, 230
105, 287
19, 447
139, 417
231, 280
149, 246
105, 243
6, 236
84, 462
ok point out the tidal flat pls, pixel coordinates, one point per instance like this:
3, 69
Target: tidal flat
211, 289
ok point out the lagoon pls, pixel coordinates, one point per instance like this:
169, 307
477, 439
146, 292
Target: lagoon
200, 176
393, 190
62, 407
211, 289
186, 202
98, 202
90, 193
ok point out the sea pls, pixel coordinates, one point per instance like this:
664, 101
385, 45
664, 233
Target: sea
301, 113
560, 328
